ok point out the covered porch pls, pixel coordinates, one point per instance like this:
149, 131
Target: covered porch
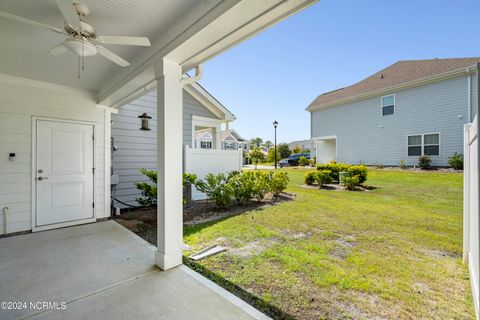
103, 271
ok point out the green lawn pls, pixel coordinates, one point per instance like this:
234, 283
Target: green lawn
393, 252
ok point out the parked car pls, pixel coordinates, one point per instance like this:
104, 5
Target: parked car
283, 163
293, 159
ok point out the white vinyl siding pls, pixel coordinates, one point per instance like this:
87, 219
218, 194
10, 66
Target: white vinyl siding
364, 135
18, 103
138, 149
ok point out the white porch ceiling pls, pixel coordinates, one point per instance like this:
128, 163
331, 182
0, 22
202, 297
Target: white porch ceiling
24, 48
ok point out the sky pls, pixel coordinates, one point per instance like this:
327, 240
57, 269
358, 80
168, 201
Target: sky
330, 45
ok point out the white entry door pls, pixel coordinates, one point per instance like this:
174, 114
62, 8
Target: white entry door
64, 173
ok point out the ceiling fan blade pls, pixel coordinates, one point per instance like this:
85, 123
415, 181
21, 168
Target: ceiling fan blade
125, 40
112, 56
69, 13
58, 50
30, 22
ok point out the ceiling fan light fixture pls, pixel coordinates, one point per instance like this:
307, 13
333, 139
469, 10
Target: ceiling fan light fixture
80, 48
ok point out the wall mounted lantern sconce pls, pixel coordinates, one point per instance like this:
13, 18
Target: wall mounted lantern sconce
145, 122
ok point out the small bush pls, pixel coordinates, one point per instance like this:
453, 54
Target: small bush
310, 177
351, 182
149, 190
216, 188
424, 162
379, 165
278, 182
243, 186
262, 185
189, 178
313, 162
334, 168
402, 164
360, 171
456, 161
323, 177
303, 161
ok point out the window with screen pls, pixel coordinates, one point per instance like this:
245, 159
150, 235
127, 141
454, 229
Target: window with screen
431, 144
388, 105
415, 145
424, 144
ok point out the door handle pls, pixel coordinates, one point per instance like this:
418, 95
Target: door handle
41, 178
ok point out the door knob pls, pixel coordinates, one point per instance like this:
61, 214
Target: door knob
41, 178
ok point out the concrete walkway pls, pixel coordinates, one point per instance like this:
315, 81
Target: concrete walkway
103, 271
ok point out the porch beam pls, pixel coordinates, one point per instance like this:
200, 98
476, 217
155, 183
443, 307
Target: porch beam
169, 180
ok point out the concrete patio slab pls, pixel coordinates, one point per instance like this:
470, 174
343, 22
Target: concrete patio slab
103, 271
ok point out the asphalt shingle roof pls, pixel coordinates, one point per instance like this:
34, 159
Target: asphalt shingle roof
398, 73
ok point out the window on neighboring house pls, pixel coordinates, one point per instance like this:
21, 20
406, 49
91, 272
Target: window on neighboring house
229, 145
415, 145
431, 144
424, 144
388, 105
206, 144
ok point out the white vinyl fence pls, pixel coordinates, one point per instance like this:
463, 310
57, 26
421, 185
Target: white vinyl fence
471, 234
204, 161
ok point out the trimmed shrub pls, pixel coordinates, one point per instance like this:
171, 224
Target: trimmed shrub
424, 162
303, 161
216, 188
262, 185
323, 177
313, 162
243, 186
189, 178
278, 182
360, 171
351, 182
310, 177
334, 168
456, 161
149, 190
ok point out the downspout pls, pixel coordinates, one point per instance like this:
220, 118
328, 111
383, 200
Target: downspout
5, 210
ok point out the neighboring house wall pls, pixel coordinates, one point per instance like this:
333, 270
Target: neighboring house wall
364, 135
18, 104
138, 149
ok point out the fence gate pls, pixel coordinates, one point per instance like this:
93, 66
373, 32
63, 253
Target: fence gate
471, 223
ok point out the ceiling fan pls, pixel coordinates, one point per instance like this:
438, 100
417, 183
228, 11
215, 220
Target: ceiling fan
83, 39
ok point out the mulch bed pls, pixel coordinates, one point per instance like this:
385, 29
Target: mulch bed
143, 221
337, 187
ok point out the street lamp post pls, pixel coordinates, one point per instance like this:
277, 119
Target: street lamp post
275, 124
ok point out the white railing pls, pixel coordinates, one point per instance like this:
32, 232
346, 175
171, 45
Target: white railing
204, 161
471, 234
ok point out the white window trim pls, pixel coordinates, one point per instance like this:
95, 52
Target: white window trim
423, 144
394, 105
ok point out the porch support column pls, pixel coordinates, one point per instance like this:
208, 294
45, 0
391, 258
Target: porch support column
169, 183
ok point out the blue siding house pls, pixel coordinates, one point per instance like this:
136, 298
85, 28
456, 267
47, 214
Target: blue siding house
406, 110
